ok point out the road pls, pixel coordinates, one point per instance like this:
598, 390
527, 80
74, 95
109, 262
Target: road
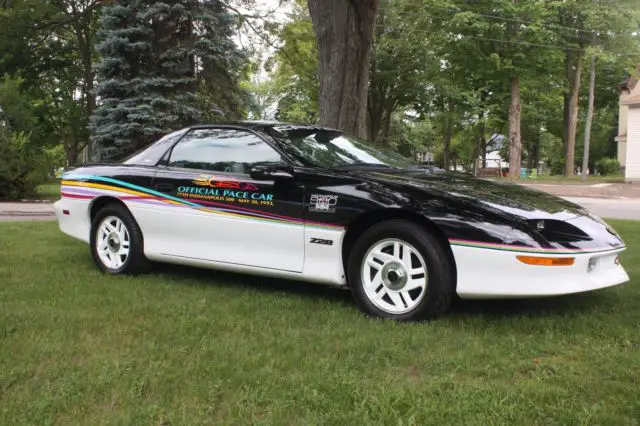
610, 208
26, 211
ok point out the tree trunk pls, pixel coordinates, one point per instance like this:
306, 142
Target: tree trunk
90, 97
567, 95
374, 117
447, 151
515, 138
484, 152
72, 153
386, 126
83, 34
447, 141
587, 127
573, 117
476, 155
344, 32
534, 155
515, 142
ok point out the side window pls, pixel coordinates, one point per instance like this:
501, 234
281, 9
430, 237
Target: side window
221, 150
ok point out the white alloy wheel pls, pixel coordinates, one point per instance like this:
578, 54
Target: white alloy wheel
112, 242
394, 276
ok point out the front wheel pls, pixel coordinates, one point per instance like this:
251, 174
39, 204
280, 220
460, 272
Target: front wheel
398, 270
116, 242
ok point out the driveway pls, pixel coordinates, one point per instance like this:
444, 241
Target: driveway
597, 190
26, 211
610, 208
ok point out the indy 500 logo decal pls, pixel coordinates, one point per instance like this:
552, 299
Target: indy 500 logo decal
323, 203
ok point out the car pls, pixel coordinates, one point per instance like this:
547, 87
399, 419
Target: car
311, 203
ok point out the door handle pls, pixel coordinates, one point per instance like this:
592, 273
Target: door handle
164, 187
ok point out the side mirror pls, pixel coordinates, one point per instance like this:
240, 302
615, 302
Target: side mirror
271, 171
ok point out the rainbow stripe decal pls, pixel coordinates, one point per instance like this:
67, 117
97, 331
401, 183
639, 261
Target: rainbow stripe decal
527, 249
90, 187
87, 187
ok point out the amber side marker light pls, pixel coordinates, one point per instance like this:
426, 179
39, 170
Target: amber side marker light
546, 261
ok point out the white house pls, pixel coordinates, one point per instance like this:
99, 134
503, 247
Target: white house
629, 128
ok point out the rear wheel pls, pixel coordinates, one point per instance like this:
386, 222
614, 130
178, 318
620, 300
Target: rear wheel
400, 271
116, 241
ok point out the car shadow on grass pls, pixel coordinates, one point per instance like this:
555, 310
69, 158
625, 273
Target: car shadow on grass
583, 303
208, 277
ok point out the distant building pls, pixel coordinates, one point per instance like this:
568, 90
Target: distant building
629, 127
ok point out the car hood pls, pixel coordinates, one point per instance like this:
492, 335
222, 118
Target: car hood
512, 199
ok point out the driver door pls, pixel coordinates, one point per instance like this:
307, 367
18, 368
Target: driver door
224, 215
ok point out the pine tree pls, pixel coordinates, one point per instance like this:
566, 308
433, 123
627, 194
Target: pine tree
220, 65
157, 57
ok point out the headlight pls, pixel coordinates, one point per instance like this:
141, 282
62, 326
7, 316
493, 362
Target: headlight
557, 231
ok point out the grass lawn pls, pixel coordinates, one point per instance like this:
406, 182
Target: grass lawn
48, 191
183, 346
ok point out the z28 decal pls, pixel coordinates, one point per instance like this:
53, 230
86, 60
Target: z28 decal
321, 241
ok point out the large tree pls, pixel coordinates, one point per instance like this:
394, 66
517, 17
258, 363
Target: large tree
344, 32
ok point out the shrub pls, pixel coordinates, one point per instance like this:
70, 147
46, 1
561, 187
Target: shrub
22, 168
608, 166
557, 168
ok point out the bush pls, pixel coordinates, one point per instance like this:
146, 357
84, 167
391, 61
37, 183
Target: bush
608, 166
22, 168
557, 167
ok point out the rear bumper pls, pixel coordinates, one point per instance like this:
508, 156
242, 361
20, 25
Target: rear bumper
73, 217
494, 274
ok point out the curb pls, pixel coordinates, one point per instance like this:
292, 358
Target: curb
26, 214
25, 201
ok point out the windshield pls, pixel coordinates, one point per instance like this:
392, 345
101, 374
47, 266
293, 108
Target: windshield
331, 149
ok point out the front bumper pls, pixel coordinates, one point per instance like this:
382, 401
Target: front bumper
488, 273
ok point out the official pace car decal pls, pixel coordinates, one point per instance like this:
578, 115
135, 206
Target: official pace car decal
89, 187
209, 188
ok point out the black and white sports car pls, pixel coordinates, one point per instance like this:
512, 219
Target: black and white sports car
314, 204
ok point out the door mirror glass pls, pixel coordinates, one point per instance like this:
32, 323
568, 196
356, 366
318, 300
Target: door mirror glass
271, 171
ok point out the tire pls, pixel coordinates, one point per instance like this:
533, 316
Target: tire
108, 247
390, 289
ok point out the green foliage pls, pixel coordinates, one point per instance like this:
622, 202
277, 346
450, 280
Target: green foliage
56, 157
17, 109
398, 47
294, 69
27, 152
608, 166
22, 167
410, 137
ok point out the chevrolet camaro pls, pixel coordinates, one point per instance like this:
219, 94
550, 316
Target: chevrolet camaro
314, 204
